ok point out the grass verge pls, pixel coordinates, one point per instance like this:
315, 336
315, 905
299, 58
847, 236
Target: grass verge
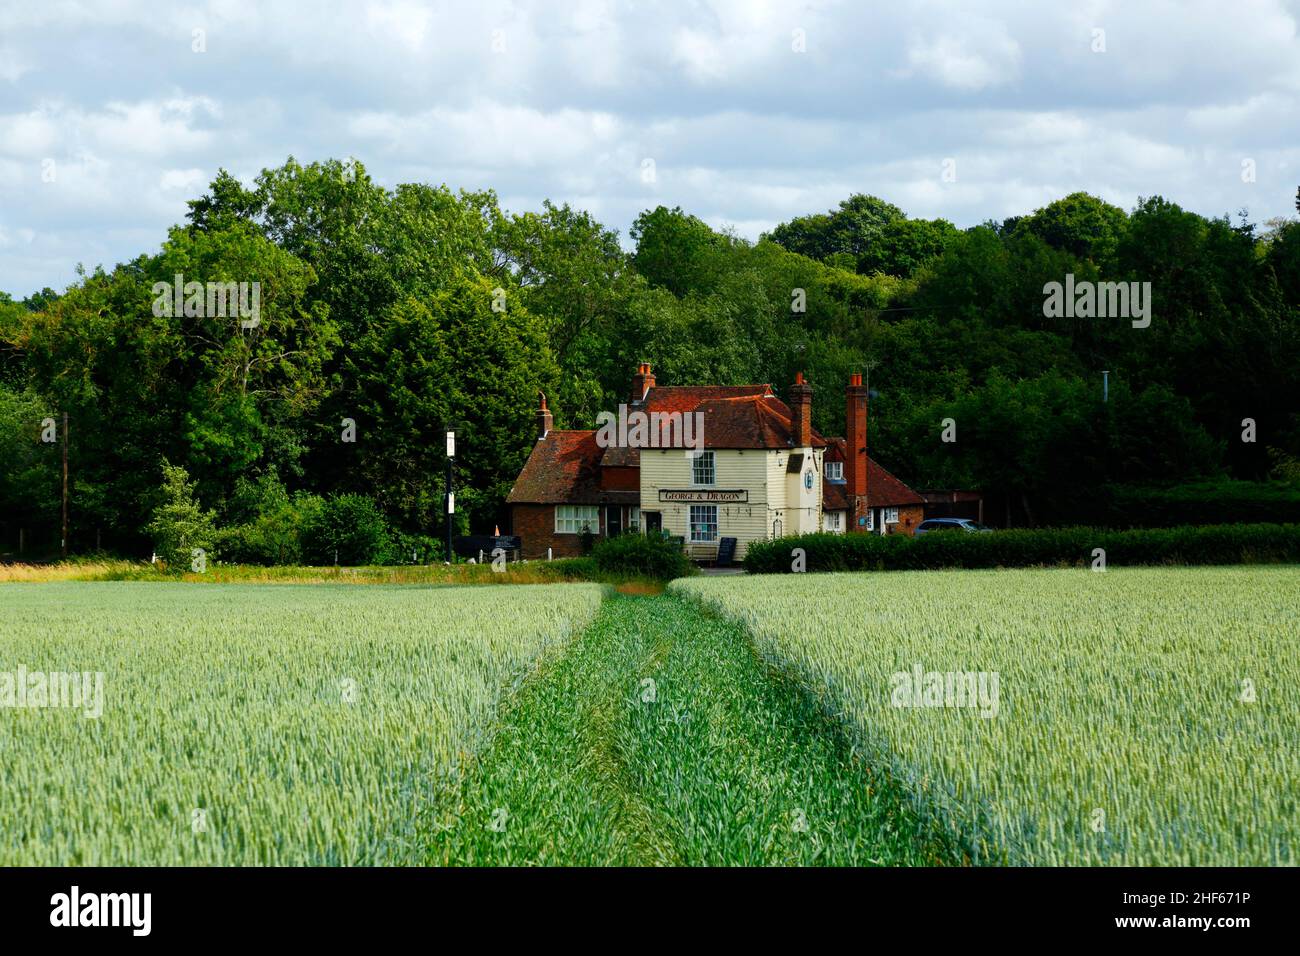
561, 570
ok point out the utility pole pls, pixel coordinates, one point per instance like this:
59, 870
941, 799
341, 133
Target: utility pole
451, 491
64, 546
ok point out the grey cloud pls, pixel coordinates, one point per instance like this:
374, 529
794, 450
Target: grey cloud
743, 129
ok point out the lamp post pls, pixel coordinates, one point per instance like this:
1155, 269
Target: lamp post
451, 491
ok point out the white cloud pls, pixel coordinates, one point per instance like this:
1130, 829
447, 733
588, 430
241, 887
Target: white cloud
28, 135
962, 63
12, 65
192, 181
493, 136
743, 130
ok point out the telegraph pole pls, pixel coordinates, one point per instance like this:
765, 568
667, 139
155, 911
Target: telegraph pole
64, 546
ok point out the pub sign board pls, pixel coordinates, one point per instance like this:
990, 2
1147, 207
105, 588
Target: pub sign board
705, 496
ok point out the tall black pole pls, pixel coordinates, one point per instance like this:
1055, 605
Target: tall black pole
451, 492
64, 545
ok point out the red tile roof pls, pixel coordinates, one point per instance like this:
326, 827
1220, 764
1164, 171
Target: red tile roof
749, 422
563, 468
735, 416
686, 398
883, 489
620, 456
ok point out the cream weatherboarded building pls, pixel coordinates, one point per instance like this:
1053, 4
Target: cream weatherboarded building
756, 470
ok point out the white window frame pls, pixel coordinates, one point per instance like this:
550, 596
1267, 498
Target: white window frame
698, 519
891, 515
569, 519
871, 519
834, 520
704, 462
634, 518
835, 470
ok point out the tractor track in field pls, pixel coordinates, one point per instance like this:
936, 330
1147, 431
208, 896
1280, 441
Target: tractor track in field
646, 833
659, 738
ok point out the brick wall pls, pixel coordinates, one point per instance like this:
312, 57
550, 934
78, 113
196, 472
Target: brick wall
909, 516
535, 525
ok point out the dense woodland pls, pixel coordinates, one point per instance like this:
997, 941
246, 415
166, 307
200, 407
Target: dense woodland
377, 305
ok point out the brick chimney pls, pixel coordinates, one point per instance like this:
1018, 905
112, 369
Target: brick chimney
855, 450
801, 409
544, 420
642, 382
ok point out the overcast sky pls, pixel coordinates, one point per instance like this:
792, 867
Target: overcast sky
750, 112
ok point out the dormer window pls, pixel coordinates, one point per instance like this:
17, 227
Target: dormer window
835, 470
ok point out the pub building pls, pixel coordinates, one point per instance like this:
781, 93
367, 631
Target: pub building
760, 471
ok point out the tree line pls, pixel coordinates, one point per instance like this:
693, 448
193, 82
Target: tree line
387, 315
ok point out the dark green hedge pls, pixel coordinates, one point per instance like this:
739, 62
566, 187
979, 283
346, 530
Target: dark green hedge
641, 555
1208, 544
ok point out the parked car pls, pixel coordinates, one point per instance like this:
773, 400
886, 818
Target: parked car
950, 524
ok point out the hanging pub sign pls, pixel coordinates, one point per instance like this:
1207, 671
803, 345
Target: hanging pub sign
705, 496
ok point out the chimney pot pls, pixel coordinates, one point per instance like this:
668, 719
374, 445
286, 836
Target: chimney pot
544, 418
642, 382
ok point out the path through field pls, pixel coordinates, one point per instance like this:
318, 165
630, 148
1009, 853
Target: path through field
660, 738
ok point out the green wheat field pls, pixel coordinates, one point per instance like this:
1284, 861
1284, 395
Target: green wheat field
1141, 716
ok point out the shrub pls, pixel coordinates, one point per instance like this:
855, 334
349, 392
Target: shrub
1208, 544
179, 525
350, 527
415, 549
273, 527
641, 555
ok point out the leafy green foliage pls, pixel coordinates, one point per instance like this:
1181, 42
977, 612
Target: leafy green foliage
904, 245
347, 529
676, 251
1251, 502
179, 526
411, 384
30, 478
377, 311
1208, 544
641, 555
852, 229
268, 524
1080, 224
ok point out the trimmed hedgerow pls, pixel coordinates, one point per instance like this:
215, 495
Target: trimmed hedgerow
1207, 544
641, 555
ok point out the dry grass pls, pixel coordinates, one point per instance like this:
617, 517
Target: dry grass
71, 571
532, 572
641, 588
